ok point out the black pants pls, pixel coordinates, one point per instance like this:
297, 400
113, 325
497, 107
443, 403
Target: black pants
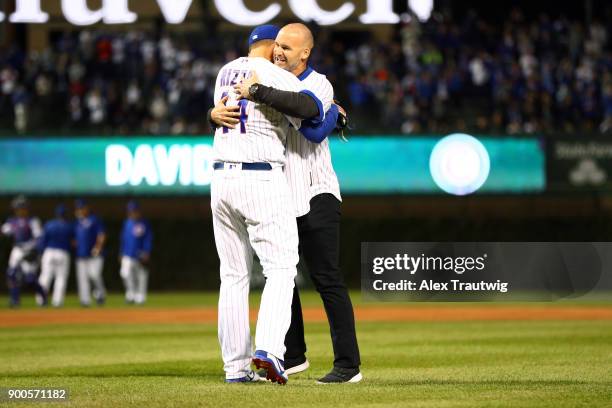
319, 232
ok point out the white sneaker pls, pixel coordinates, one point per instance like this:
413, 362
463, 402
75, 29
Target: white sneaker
298, 368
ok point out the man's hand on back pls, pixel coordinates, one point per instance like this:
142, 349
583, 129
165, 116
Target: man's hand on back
223, 115
242, 88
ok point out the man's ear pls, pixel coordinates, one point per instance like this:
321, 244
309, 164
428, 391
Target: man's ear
306, 53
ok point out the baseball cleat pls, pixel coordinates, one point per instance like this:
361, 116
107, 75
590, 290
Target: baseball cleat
274, 367
341, 375
298, 368
41, 300
252, 376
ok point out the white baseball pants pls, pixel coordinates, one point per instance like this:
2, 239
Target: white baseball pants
16, 259
90, 269
135, 277
55, 267
253, 212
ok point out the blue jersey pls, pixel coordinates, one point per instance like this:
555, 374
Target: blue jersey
136, 238
24, 230
86, 233
57, 234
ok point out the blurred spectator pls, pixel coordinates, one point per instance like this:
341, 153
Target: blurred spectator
606, 125
96, 106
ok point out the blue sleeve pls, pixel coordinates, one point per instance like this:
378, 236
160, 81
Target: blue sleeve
147, 245
72, 236
100, 226
73, 226
317, 132
321, 115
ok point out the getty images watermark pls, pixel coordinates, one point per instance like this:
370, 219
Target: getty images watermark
470, 271
411, 265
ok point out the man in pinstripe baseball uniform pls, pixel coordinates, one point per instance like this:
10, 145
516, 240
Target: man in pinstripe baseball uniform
316, 195
253, 212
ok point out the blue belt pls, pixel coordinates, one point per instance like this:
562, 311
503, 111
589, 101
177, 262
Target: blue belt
245, 166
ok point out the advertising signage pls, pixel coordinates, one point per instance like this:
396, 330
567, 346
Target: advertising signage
579, 164
183, 166
79, 13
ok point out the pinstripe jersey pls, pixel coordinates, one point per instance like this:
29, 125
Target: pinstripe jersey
262, 132
309, 168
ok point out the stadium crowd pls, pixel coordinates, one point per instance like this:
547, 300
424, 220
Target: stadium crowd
544, 75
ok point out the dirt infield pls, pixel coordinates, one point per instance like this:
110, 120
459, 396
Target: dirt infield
16, 318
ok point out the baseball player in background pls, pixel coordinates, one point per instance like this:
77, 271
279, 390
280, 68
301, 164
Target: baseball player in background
253, 212
55, 245
316, 194
23, 260
136, 244
90, 238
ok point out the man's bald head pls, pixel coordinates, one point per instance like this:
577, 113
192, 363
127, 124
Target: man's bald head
300, 32
294, 44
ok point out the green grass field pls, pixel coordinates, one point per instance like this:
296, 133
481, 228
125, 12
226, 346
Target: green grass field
421, 364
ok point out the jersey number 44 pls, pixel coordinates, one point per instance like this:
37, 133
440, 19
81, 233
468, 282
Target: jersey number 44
243, 103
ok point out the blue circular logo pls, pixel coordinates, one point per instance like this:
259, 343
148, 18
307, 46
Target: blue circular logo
459, 164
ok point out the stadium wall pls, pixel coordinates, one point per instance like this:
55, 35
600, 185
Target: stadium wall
185, 258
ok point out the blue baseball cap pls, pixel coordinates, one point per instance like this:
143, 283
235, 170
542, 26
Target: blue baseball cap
80, 203
263, 32
132, 205
60, 210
